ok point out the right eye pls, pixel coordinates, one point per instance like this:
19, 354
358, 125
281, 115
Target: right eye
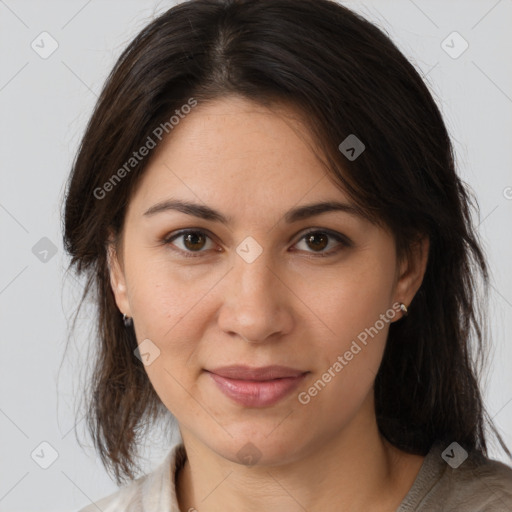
192, 241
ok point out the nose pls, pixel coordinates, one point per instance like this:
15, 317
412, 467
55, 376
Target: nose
257, 302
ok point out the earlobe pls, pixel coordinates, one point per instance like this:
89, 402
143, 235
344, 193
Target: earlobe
412, 271
117, 280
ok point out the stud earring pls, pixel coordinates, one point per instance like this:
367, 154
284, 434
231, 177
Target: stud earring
403, 309
127, 320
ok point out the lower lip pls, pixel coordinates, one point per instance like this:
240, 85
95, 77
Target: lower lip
252, 393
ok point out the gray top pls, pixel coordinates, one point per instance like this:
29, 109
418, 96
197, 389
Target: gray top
449, 480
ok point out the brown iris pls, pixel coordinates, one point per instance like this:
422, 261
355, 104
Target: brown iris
321, 240
194, 241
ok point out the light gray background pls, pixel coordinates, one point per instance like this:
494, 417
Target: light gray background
45, 104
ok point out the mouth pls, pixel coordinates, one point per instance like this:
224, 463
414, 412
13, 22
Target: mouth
256, 387
264, 373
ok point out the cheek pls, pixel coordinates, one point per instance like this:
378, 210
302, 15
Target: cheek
164, 296
355, 309
349, 298
167, 306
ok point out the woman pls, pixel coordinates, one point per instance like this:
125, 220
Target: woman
266, 205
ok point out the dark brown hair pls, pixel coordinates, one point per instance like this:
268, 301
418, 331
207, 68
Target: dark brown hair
344, 76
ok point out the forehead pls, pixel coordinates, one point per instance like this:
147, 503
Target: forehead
233, 151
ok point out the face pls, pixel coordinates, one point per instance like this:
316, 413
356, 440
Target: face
253, 284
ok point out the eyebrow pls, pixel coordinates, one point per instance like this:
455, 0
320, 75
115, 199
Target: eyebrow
294, 215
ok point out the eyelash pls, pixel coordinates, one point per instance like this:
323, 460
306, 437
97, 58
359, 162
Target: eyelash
342, 239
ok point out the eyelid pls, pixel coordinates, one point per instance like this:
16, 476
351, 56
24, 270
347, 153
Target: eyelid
168, 239
340, 237
343, 242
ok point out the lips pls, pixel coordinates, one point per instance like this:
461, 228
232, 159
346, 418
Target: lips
263, 373
256, 387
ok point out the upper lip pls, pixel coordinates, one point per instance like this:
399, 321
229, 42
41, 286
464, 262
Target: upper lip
262, 373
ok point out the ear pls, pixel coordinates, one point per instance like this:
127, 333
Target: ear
411, 271
117, 278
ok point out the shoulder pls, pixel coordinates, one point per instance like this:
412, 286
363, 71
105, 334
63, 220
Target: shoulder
151, 492
455, 480
484, 484
126, 499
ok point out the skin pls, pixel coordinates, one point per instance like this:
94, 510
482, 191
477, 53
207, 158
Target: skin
290, 306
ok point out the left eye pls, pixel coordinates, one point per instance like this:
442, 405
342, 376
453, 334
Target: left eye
319, 240
195, 241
